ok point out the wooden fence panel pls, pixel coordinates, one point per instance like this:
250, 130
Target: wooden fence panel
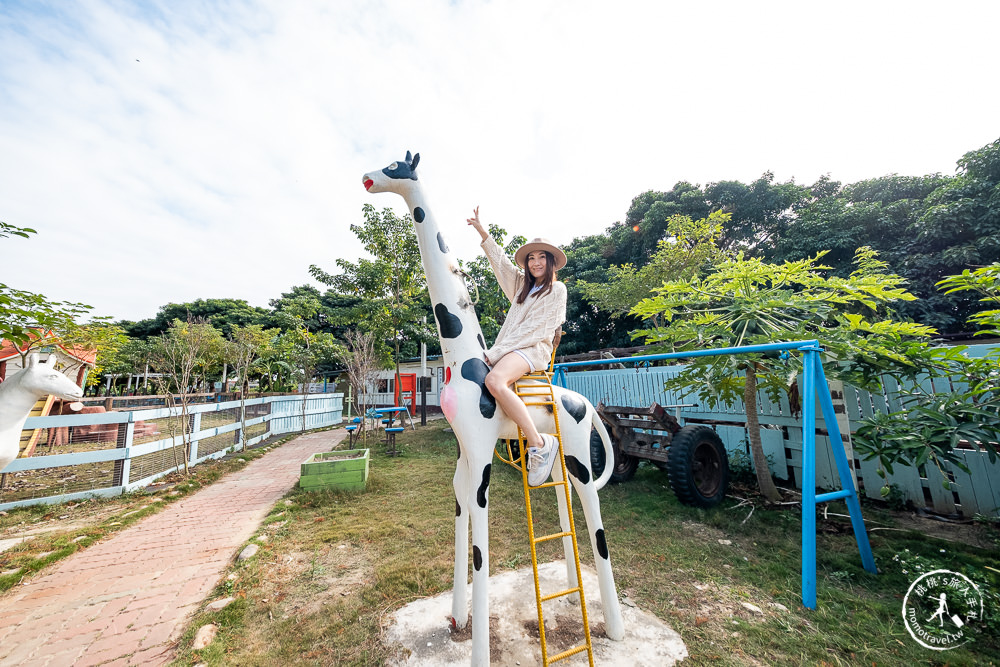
979, 490
781, 433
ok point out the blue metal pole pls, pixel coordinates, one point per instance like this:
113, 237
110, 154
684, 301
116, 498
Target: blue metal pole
844, 471
747, 349
809, 477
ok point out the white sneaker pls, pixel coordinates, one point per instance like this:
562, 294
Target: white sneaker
541, 459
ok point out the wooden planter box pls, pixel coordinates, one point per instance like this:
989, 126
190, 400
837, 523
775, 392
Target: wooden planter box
342, 470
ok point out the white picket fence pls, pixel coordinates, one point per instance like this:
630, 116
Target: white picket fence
131, 464
781, 434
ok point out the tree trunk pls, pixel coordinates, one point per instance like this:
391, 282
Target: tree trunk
764, 481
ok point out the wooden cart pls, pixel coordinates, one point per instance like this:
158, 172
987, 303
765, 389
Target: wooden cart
693, 456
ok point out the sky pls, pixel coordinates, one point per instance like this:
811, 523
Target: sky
171, 151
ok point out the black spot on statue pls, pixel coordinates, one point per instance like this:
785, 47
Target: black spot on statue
602, 544
577, 469
475, 370
484, 486
482, 343
574, 406
458, 451
458, 508
418, 214
442, 244
477, 558
449, 325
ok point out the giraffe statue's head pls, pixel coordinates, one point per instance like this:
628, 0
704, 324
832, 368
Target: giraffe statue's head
394, 178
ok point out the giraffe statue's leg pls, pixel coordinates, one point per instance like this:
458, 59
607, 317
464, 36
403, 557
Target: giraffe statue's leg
459, 600
613, 622
565, 527
480, 458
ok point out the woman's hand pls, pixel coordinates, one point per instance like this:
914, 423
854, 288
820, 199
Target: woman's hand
478, 226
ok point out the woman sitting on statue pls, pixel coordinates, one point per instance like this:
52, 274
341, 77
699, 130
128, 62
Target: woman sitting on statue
524, 344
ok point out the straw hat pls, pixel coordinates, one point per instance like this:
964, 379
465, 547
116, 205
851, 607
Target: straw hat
521, 256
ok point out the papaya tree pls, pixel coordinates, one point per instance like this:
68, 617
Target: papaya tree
747, 301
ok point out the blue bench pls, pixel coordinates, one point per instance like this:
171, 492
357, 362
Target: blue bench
352, 433
390, 440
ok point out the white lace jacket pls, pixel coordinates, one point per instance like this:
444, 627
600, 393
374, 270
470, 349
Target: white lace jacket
529, 326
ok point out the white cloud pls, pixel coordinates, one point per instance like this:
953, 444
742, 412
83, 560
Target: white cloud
187, 151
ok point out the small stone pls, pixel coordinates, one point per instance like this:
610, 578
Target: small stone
725, 543
289, 503
262, 538
779, 606
77, 539
204, 636
8, 572
752, 607
64, 516
249, 551
43, 554
219, 604
231, 577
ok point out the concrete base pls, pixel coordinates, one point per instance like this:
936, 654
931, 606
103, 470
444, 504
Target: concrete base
423, 634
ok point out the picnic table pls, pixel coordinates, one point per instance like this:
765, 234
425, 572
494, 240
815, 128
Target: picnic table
388, 417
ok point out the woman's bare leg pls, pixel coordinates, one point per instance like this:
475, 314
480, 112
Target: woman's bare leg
498, 381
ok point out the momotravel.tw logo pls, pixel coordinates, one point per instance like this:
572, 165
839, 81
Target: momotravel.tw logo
939, 607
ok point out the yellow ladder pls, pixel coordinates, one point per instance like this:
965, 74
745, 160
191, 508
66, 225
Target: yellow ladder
535, 389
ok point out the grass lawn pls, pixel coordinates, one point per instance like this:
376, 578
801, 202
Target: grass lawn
333, 566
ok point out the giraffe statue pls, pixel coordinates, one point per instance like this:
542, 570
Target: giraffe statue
472, 412
18, 395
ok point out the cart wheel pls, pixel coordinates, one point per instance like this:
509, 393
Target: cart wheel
698, 468
625, 465
597, 456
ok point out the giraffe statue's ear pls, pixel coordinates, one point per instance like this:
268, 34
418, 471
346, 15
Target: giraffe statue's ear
416, 160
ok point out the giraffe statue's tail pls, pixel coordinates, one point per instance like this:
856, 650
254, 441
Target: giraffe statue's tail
609, 452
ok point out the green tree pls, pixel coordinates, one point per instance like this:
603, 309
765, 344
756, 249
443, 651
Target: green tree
932, 423
690, 248
178, 353
390, 287
7, 230
223, 314
26, 317
586, 327
760, 211
245, 347
747, 301
132, 357
959, 229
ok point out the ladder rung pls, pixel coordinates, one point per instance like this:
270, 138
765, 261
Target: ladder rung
553, 536
553, 596
545, 485
568, 653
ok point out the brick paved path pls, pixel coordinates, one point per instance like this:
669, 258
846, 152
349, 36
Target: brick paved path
125, 600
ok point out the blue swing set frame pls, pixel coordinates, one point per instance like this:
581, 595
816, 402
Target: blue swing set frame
813, 380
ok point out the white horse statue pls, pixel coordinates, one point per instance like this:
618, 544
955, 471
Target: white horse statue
18, 395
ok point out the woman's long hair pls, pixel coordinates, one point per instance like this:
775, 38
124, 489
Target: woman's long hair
545, 282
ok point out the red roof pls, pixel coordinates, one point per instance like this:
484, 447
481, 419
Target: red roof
9, 350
